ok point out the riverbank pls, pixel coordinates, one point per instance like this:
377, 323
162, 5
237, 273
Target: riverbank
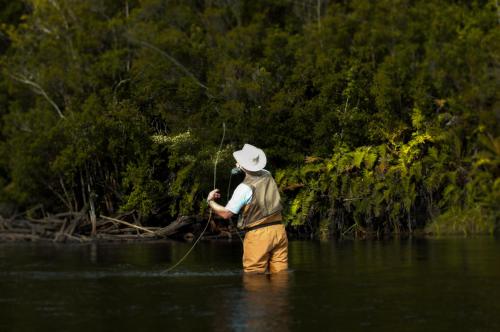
74, 227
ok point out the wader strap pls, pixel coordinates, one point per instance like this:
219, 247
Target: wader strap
263, 225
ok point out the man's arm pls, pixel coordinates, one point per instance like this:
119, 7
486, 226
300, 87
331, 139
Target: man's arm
217, 208
220, 210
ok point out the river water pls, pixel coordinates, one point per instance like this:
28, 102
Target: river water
436, 284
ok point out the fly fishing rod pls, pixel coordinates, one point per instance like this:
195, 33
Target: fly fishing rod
211, 211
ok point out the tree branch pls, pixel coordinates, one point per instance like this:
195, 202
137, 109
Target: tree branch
128, 224
36, 88
173, 60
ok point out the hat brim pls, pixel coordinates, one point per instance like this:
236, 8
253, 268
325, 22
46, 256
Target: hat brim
245, 160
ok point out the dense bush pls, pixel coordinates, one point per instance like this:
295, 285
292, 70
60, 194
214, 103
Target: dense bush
376, 116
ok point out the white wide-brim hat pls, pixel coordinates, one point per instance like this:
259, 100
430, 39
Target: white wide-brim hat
251, 158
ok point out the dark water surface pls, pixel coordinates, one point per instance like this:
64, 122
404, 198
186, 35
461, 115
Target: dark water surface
439, 284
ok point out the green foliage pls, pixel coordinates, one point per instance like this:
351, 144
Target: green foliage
380, 189
123, 102
474, 220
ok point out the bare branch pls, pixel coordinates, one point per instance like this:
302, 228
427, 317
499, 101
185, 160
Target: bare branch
36, 88
56, 6
54, 191
128, 224
173, 60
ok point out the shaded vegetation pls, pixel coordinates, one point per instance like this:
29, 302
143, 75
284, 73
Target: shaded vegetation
376, 116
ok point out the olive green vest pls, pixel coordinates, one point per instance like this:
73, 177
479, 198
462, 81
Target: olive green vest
265, 202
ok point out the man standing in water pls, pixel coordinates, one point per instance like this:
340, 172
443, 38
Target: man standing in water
265, 248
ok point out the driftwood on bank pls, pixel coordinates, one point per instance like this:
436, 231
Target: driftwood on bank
77, 227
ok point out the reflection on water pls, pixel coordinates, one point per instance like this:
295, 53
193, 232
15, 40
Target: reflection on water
264, 304
409, 285
45, 275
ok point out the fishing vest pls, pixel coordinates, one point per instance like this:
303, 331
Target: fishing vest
265, 205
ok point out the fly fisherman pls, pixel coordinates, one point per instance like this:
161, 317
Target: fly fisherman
265, 248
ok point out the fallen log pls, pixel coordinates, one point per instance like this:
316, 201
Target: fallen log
15, 230
59, 235
128, 224
74, 226
47, 220
174, 226
19, 237
108, 229
69, 214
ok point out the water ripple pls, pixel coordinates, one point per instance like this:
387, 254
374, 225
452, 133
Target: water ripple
50, 275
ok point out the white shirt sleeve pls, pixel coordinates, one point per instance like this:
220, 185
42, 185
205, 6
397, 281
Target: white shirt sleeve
241, 196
